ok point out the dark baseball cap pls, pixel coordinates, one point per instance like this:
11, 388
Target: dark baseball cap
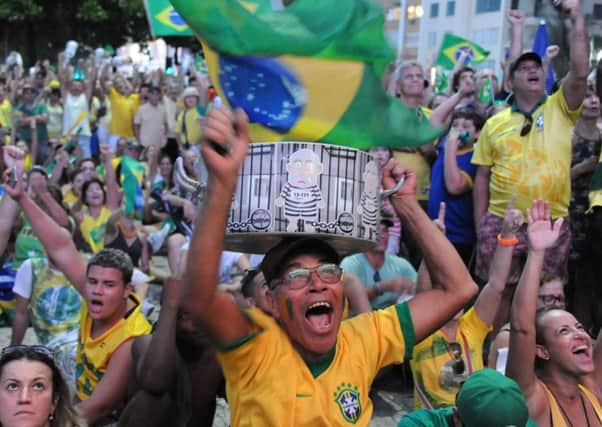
527, 56
277, 258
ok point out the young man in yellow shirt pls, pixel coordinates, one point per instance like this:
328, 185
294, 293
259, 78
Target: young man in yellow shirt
110, 315
303, 366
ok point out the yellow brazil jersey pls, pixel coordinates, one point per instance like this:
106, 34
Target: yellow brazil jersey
432, 388
269, 384
190, 130
123, 110
94, 354
93, 230
534, 166
413, 159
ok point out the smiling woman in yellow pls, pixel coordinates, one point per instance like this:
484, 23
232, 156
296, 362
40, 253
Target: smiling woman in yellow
100, 204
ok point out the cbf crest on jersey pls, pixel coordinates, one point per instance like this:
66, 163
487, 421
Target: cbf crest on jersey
347, 397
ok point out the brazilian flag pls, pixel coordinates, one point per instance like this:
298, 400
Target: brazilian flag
132, 174
486, 94
452, 47
440, 80
164, 20
305, 70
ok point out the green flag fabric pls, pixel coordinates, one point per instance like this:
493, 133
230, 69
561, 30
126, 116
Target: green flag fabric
440, 81
164, 20
486, 92
452, 47
132, 174
308, 71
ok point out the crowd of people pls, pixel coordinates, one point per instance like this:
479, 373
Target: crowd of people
483, 281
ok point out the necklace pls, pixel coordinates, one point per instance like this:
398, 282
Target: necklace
564, 414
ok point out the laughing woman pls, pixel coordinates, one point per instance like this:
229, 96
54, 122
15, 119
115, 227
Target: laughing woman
551, 356
100, 203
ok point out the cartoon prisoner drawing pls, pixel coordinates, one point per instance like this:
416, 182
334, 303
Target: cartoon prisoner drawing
369, 201
301, 196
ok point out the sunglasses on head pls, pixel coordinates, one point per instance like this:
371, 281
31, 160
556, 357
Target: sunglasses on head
19, 348
527, 125
459, 366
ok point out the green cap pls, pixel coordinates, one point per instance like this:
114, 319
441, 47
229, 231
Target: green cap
490, 399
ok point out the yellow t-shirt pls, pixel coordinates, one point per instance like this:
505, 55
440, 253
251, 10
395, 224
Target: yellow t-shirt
413, 159
536, 166
431, 354
269, 384
93, 230
556, 412
94, 354
5, 113
194, 131
123, 110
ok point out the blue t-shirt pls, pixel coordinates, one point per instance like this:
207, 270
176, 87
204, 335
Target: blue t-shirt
459, 223
393, 267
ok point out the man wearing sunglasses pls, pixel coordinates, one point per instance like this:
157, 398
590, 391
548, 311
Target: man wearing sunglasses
526, 151
303, 366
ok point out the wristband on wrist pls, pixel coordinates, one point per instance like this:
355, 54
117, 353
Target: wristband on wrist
507, 242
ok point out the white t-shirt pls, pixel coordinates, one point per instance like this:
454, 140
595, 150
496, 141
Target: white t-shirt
23, 279
73, 107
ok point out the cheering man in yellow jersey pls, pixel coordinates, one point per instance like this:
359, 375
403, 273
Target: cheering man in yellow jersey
110, 314
302, 366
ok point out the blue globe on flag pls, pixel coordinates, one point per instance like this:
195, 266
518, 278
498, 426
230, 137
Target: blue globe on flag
266, 89
469, 56
175, 18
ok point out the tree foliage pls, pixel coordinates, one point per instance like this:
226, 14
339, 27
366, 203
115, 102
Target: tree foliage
39, 28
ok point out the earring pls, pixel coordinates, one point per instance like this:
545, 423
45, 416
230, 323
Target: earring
51, 417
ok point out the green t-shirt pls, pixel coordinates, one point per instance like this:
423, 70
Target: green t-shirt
24, 132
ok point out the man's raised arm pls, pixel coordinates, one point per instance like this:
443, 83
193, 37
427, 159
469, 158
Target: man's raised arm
221, 318
56, 240
453, 286
575, 84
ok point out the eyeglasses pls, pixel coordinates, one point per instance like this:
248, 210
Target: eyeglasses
456, 351
38, 349
527, 126
552, 299
300, 277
